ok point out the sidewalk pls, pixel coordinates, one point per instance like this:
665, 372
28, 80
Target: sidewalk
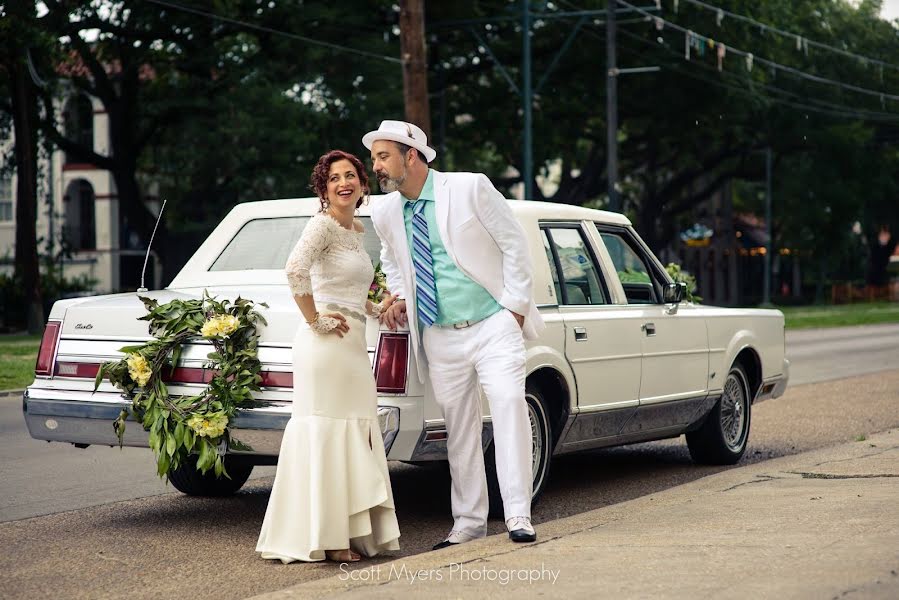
822, 524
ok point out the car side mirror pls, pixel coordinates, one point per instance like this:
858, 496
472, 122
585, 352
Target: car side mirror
675, 292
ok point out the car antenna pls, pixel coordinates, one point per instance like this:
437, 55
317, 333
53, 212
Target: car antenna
142, 289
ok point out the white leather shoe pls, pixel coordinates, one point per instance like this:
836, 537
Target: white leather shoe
521, 530
454, 537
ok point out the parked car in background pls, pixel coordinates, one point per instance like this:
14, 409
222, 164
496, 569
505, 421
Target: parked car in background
623, 359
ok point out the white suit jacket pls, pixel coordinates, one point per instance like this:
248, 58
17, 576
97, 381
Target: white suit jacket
480, 234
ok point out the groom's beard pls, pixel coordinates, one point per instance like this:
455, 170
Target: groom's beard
392, 184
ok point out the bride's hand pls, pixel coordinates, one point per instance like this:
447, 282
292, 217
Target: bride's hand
330, 322
386, 302
376, 310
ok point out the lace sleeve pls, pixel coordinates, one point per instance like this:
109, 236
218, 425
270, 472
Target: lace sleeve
313, 242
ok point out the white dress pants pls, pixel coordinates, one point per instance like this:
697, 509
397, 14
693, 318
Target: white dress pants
491, 353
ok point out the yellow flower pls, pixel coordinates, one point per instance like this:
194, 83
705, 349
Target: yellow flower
228, 324
139, 369
211, 425
210, 327
219, 325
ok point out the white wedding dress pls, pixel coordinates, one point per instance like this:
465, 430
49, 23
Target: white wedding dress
332, 488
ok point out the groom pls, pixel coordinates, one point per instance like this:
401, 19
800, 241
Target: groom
459, 261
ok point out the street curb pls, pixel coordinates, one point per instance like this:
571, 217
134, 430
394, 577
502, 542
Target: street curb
6, 393
498, 545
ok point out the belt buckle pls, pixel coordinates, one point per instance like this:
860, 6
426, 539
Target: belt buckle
463, 324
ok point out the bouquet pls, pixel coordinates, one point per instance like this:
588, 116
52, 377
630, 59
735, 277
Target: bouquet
378, 285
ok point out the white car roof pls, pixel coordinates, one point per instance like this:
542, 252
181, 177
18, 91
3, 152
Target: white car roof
527, 209
195, 272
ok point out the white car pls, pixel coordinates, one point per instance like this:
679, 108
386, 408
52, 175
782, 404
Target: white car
623, 358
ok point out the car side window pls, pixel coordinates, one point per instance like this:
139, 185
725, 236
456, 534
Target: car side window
550, 257
574, 267
633, 271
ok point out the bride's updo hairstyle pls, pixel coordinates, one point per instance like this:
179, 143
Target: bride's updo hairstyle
319, 179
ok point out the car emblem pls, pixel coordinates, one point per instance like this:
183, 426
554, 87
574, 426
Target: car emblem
84, 326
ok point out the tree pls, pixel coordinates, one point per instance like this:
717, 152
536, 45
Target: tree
684, 130
18, 29
221, 103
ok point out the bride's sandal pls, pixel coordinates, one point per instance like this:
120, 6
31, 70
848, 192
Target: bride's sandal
342, 556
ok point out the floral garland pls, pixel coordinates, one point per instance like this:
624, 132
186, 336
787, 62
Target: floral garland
186, 425
378, 285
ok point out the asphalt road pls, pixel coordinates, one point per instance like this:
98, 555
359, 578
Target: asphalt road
825, 354
152, 545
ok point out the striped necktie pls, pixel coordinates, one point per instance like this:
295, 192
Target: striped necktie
425, 287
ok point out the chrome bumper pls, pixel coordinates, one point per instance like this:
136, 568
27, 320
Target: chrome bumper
85, 419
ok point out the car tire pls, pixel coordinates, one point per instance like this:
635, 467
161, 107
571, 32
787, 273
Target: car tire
723, 437
541, 436
188, 480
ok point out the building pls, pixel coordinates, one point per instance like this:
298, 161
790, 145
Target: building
78, 210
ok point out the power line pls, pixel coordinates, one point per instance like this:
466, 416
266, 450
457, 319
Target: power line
801, 39
823, 108
302, 38
751, 59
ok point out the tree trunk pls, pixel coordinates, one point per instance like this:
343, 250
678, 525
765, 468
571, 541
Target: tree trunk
27, 268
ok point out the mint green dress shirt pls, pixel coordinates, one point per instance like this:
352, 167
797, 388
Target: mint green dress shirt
458, 297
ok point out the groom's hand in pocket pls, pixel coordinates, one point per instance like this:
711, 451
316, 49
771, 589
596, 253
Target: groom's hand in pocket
395, 315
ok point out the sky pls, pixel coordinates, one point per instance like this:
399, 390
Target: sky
890, 10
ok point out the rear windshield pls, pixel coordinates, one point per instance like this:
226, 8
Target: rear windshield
266, 244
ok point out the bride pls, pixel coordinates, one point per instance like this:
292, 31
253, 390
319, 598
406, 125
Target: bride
331, 498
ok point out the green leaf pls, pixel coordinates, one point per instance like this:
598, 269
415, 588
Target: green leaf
119, 426
236, 444
170, 445
207, 456
189, 439
131, 349
99, 376
162, 465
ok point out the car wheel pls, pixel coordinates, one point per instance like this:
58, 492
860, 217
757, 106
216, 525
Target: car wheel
541, 440
188, 480
722, 438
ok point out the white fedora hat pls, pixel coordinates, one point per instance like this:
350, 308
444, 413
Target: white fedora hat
404, 133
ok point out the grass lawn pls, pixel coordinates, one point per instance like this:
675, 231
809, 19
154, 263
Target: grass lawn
17, 356
806, 317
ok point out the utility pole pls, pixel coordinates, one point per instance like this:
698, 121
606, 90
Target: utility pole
415, 64
527, 90
766, 287
527, 104
612, 109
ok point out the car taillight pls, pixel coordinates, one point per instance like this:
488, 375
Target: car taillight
391, 362
46, 356
277, 379
198, 375
70, 369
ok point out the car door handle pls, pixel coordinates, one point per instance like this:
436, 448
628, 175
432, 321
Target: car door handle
649, 328
580, 334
